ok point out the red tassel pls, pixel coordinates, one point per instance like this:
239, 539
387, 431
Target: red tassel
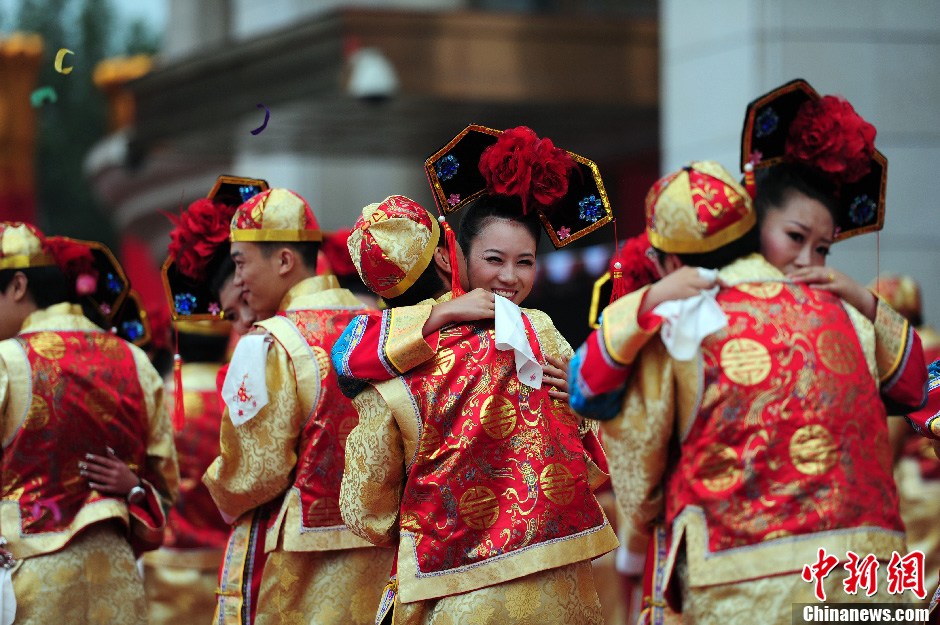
451, 240
750, 183
179, 412
618, 284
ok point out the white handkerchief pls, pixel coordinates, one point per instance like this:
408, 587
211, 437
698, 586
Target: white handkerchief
245, 390
510, 334
687, 321
7, 598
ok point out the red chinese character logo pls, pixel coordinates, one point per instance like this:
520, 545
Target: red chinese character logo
906, 573
862, 572
818, 571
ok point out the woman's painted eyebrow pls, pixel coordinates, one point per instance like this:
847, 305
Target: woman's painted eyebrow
500, 252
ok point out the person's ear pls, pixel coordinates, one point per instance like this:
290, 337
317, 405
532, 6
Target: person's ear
442, 259
286, 259
18, 289
672, 263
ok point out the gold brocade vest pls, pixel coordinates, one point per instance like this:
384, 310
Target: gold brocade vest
499, 476
85, 398
323, 439
790, 437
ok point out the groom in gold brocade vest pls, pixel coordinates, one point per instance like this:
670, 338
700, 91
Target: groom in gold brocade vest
285, 425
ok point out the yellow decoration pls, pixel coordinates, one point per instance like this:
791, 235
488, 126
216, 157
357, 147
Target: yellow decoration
745, 361
813, 451
478, 507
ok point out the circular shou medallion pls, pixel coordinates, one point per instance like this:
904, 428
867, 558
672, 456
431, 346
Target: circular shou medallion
498, 416
761, 290
745, 361
557, 483
324, 513
719, 468
478, 508
49, 345
812, 450
835, 351
444, 362
323, 359
38, 415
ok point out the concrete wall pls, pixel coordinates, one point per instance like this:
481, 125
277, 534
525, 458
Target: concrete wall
882, 56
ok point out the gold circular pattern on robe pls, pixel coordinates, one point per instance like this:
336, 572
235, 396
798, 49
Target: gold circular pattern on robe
719, 468
444, 362
323, 512
345, 427
323, 360
761, 290
813, 451
557, 483
745, 361
49, 345
111, 346
101, 404
498, 416
430, 442
478, 508
835, 351
193, 403
38, 415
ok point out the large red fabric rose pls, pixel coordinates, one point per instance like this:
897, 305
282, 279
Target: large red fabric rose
507, 164
550, 173
73, 259
829, 135
199, 232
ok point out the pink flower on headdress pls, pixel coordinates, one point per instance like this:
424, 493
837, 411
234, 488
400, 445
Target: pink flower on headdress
829, 135
564, 232
214, 308
453, 199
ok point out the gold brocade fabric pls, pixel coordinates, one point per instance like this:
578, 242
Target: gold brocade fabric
325, 587
93, 581
769, 600
258, 459
177, 595
561, 595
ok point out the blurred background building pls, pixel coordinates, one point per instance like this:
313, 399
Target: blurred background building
360, 93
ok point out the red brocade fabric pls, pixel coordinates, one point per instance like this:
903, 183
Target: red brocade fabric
782, 441
81, 392
500, 466
323, 440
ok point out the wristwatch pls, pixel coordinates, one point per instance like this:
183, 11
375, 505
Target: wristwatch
137, 493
